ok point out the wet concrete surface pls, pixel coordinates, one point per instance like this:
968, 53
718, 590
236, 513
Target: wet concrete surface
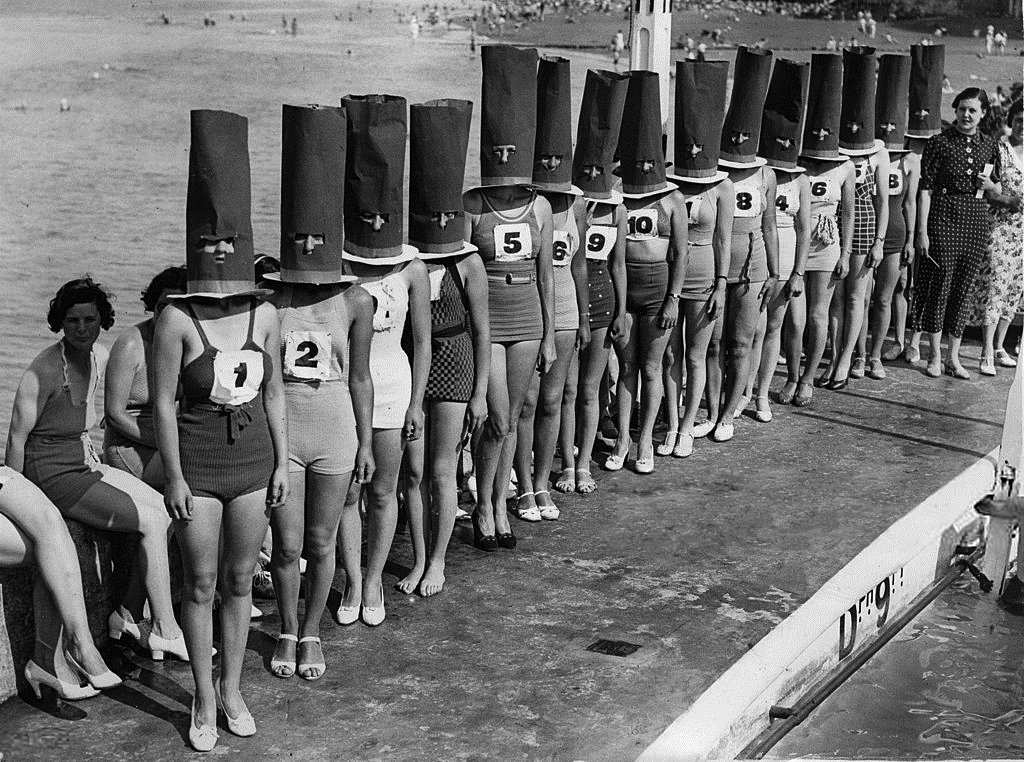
694, 564
949, 686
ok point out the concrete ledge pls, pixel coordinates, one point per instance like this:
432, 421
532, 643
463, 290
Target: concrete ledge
842, 617
17, 621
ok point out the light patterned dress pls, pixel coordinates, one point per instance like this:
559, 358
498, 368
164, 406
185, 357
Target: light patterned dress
999, 288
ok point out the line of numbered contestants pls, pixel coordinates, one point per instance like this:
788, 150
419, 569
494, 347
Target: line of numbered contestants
305, 392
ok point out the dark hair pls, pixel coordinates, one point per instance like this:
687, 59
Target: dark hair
80, 291
972, 92
171, 279
1014, 109
265, 264
989, 120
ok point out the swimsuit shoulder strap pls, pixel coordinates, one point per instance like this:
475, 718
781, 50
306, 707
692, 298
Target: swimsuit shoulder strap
198, 325
249, 343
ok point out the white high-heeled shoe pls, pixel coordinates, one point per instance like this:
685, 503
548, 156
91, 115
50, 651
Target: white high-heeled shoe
122, 623
106, 679
159, 646
375, 615
37, 677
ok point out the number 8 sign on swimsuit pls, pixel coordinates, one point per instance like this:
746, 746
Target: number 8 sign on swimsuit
306, 355
237, 376
512, 242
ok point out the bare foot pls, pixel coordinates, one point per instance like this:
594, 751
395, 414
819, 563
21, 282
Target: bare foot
585, 483
433, 581
408, 584
567, 481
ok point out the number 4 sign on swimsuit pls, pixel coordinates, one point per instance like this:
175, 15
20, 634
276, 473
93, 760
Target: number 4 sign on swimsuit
306, 354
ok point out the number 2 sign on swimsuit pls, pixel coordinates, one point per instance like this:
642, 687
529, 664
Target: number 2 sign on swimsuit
306, 355
237, 376
512, 242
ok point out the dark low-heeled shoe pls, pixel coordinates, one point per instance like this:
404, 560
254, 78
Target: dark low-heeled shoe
838, 384
823, 381
506, 540
481, 541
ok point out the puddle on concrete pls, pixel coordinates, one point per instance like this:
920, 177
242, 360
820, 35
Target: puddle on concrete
950, 686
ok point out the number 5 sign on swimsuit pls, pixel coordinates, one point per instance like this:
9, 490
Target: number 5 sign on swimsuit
512, 242
643, 224
237, 376
307, 355
601, 241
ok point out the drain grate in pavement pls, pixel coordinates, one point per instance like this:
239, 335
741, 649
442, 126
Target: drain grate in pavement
613, 647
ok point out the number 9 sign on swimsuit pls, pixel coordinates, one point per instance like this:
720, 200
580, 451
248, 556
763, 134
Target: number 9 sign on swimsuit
237, 376
600, 241
306, 355
512, 242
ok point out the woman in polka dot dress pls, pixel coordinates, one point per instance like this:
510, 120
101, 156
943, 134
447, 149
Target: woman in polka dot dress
953, 227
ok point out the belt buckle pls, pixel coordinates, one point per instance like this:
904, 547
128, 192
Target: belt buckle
508, 279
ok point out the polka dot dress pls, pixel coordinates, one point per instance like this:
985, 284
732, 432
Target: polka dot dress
958, 230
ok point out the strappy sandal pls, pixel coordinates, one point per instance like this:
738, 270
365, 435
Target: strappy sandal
585, 483
787, 393
305, 667
567, 481
666, 447
283, 668
530, 513
547, 512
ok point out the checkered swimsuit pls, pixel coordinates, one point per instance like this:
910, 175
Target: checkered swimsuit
864, 208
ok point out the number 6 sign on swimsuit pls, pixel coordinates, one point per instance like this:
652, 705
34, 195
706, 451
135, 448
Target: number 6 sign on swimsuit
560, 248
237, 376
600, 241
307, 354
512, 242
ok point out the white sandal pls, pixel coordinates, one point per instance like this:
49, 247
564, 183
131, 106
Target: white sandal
530, 513
666, 447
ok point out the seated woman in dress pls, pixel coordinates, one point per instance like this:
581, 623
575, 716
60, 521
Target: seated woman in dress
32, 531
49, 442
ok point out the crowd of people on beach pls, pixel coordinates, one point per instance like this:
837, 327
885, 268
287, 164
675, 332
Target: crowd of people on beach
576, 290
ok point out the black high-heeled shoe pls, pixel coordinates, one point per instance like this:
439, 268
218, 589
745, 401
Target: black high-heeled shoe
481, 541
506, 540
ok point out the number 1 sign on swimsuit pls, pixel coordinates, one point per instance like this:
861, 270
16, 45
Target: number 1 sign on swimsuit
237, 376
512, 242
